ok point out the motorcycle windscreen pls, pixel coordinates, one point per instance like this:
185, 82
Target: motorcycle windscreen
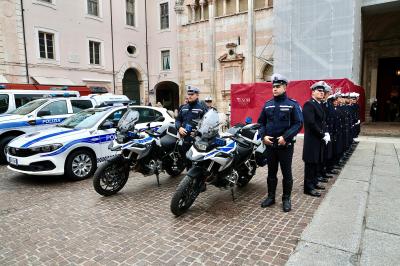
128, 120
209, 125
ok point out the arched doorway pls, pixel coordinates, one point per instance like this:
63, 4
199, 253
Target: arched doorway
131, 85
167, 93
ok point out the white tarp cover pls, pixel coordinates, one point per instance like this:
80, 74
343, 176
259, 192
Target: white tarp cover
317, 39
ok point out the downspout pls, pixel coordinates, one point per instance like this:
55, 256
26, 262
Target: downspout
112, 45
147, 53
23, 33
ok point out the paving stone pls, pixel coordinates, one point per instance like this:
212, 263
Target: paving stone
380, 249
55, 221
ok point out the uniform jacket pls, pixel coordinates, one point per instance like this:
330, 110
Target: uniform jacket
281, 116
188, 112
314, 120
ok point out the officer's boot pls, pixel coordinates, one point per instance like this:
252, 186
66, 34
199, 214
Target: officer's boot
270, 200
287, 191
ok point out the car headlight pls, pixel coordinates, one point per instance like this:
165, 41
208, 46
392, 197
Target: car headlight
46, 148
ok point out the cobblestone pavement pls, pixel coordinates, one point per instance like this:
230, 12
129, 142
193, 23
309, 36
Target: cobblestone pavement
49, 221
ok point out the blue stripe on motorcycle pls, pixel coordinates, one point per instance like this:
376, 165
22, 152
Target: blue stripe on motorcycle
29, 143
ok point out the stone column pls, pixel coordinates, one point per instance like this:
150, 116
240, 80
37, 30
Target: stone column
223, 7
237, 6
193, 7
211, 47
202, 3
250, 43
179, 8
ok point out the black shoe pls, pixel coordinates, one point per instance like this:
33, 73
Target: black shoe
319, 187
323, 180
267, 202
286, 205
333, 172
312, 193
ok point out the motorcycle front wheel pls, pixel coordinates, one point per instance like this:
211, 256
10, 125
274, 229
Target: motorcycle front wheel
111, 177
185, 195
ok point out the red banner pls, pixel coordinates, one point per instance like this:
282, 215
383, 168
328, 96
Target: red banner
247, 100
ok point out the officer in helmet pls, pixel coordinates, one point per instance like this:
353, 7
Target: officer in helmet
280, 119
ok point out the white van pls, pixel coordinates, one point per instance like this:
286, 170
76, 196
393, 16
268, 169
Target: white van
12, 99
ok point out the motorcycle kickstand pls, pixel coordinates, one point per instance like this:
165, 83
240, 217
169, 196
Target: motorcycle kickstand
233, 194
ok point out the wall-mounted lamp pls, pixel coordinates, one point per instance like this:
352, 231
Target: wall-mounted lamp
398, 72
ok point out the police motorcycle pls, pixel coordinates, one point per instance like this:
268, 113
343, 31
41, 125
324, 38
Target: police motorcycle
149, 151
224, 161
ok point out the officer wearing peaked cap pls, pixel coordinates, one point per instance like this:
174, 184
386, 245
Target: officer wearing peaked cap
315, 137
280, 119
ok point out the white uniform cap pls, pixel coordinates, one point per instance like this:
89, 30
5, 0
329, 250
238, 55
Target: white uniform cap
279, 79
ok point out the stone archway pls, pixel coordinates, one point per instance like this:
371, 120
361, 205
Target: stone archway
131, 85
167, 93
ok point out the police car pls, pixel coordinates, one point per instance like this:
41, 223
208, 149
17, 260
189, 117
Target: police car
76, 146
44, 113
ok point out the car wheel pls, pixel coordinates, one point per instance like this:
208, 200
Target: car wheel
3, 145
80, 165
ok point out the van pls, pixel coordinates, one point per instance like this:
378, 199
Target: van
12, 99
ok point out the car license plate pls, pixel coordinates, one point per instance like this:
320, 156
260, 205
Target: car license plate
13, 161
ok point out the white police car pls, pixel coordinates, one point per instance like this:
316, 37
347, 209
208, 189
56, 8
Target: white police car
76, 146
44, 113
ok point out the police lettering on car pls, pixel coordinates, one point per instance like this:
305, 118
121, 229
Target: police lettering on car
280, 119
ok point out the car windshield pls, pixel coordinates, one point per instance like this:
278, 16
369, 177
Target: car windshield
29, 107
83, 119
209, 125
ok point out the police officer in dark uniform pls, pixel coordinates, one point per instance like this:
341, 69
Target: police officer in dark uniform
280, 119
315, 138
193, 109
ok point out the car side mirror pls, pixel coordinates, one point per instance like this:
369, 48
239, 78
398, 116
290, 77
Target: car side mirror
107, 125
43, 113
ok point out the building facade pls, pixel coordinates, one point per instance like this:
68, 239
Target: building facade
98, 43
222, 43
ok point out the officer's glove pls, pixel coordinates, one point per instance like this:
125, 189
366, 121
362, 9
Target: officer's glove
327, 138
358, 122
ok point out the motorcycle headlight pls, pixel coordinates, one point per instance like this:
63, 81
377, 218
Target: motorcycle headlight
46, 148
201, 146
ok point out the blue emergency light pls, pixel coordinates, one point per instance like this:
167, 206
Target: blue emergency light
2, 86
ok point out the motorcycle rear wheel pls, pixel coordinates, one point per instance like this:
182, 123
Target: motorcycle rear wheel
185, 195
111, 178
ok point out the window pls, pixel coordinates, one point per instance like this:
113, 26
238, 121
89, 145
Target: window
131, 49
164, 16
165, 60
79, 105
94, 52
3, 103
46, 45
47, 1
93, 7
22, 99
130, 12
56, 108
145, 115
115, 117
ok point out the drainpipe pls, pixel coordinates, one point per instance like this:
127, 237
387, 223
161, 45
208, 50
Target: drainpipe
23, 33
112, 45
147, 52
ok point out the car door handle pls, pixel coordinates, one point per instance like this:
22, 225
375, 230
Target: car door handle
32, 122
